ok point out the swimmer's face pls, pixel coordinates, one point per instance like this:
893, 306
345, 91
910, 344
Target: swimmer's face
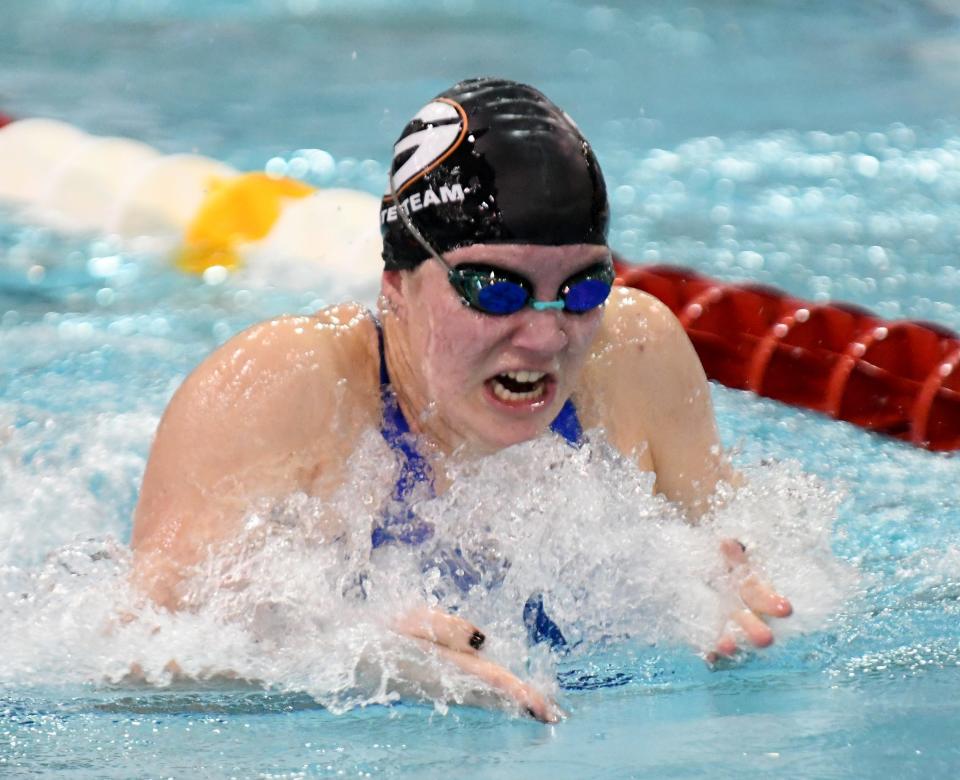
494, 381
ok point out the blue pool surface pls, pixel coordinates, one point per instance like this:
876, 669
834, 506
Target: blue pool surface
812, 146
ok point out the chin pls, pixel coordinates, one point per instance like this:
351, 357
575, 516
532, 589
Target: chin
500, 436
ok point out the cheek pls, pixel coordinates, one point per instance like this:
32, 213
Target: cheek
454, 348
582, 331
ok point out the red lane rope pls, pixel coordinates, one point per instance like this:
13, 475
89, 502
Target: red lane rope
5, 119
899, 378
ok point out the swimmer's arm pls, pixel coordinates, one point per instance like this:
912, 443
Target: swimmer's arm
259, 418
684, 442
655, 400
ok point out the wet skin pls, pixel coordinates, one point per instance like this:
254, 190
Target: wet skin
305, 389
444, 357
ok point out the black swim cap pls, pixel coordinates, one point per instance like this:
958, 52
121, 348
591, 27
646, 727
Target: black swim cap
492, 161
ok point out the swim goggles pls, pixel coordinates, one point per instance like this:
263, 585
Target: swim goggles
496, 291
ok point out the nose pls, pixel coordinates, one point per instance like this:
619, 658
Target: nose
541, 332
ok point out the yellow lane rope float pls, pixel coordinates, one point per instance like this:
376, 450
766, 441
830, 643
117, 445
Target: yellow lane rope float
199, 211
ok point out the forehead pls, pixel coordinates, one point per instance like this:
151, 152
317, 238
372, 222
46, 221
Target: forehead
530, 256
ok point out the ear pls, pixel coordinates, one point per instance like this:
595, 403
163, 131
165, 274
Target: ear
391, 290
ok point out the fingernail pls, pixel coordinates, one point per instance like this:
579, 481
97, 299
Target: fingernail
477, 640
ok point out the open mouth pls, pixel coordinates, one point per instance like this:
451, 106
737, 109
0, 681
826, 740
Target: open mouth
519, 386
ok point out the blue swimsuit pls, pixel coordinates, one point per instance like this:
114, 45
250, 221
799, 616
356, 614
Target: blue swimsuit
401, 525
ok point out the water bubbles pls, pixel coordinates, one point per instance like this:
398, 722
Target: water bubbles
372, 170
298, 167
927, 171
215, 275
875, 142
781, 205
903, 136
321, 163
735, 169
820, 140
812, 200
75, 330
346, 167
720, 214
663, 161
580, 60
727, 232
275, 168
819, 166
877, 256
624, 196
799, 193
865, 164
221, 330
103, 266
724, 188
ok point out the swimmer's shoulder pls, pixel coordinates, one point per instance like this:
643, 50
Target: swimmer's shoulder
276, 409
635, 327
293, 373
641, 358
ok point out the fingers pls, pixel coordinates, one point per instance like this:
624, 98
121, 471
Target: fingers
441, 628
756, 594
458, 640
524, 696
726, 647
759, 599
734, 551
762, 599
758, 633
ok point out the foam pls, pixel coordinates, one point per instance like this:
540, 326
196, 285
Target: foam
299, 602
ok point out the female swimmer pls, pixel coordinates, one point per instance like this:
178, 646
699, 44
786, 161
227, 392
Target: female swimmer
499, 323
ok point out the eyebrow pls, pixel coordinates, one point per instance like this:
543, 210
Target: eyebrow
520, 274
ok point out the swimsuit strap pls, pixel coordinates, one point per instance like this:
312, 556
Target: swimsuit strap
567, 424
400, 523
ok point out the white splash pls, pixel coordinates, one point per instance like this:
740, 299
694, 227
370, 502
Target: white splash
300, 602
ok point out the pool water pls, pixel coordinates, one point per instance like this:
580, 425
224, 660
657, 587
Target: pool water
812, 146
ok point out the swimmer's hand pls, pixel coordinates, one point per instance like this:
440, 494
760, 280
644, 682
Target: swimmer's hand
448, 631
458, 641
760, 601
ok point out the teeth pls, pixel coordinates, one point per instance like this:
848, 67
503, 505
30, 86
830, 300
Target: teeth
525, 376
508, 395
522, 377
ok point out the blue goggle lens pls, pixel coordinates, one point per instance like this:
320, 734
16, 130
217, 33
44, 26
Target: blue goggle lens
501, 297
586, 294
499, 292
